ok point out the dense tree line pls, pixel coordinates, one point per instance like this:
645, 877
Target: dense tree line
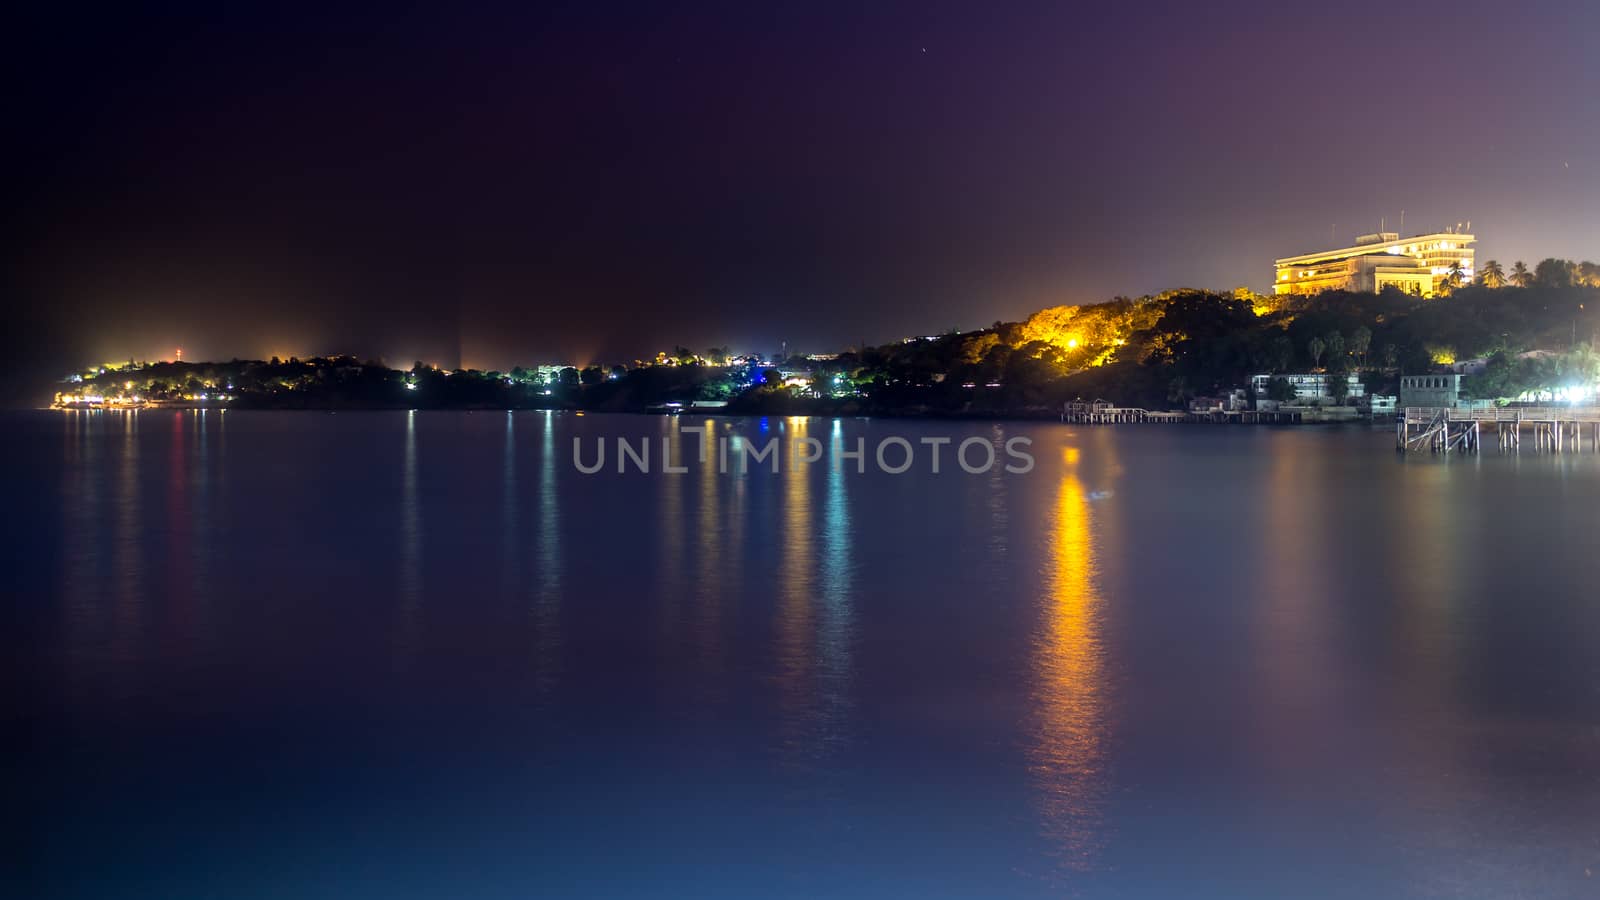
1152, 351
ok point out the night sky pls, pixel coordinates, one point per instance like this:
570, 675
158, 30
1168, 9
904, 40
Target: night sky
527, 183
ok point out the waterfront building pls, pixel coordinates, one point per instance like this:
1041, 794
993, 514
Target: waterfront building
1430, 390
1310, 389
1235, 400
1417, 265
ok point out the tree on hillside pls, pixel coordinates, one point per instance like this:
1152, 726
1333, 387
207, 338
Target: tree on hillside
1391, 356
1553, 273
1178, 390
1454, 277
1335, 347
1339, 389
1583, 365
1520, 276
1280, 353
1316, 346
975, 348
1360, 342
1492, 275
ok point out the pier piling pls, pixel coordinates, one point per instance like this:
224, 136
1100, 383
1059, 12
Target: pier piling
1555, 429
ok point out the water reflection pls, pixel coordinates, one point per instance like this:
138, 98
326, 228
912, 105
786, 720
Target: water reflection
838, 615
127, 565
795, 652
814, 615
410, 545
1429, 571
547, 602
712, 572
1294, 628
80, 496
999, 516
1068, 756
672, 538
1424, 656
510, 551
1327, 663
192, 601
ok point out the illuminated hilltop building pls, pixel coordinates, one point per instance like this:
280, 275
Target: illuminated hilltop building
1416, 265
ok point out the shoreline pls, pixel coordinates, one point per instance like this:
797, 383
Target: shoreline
1169, 417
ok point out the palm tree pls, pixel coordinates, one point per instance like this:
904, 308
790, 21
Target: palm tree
1520, 276
1453, 277
1333, 343
1492, 275
1316, 346
1360, 341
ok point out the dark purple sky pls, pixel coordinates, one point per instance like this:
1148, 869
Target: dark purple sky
521, 183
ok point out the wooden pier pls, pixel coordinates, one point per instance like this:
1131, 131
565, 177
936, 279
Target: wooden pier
1553, 429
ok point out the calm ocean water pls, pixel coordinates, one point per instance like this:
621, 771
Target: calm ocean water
419, 655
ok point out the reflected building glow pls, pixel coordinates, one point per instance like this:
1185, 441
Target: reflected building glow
999, 516
1294, 628
181, 526
127, 563
671, 591
713, 529
410, 612
1428, 568
814, 614
547, 602
80, 498
1068, 755
196, 617
510, 551
837, 629
1431, 629
796, 649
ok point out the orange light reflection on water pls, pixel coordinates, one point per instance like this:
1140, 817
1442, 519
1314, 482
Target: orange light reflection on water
1068, 756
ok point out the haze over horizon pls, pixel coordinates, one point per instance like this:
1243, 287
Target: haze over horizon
598, 181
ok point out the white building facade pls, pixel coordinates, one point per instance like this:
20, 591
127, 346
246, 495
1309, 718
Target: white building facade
1430, 390
1310, 389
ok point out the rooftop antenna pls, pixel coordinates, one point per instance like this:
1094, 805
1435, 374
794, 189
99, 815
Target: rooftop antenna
1382, 220
1402, 223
